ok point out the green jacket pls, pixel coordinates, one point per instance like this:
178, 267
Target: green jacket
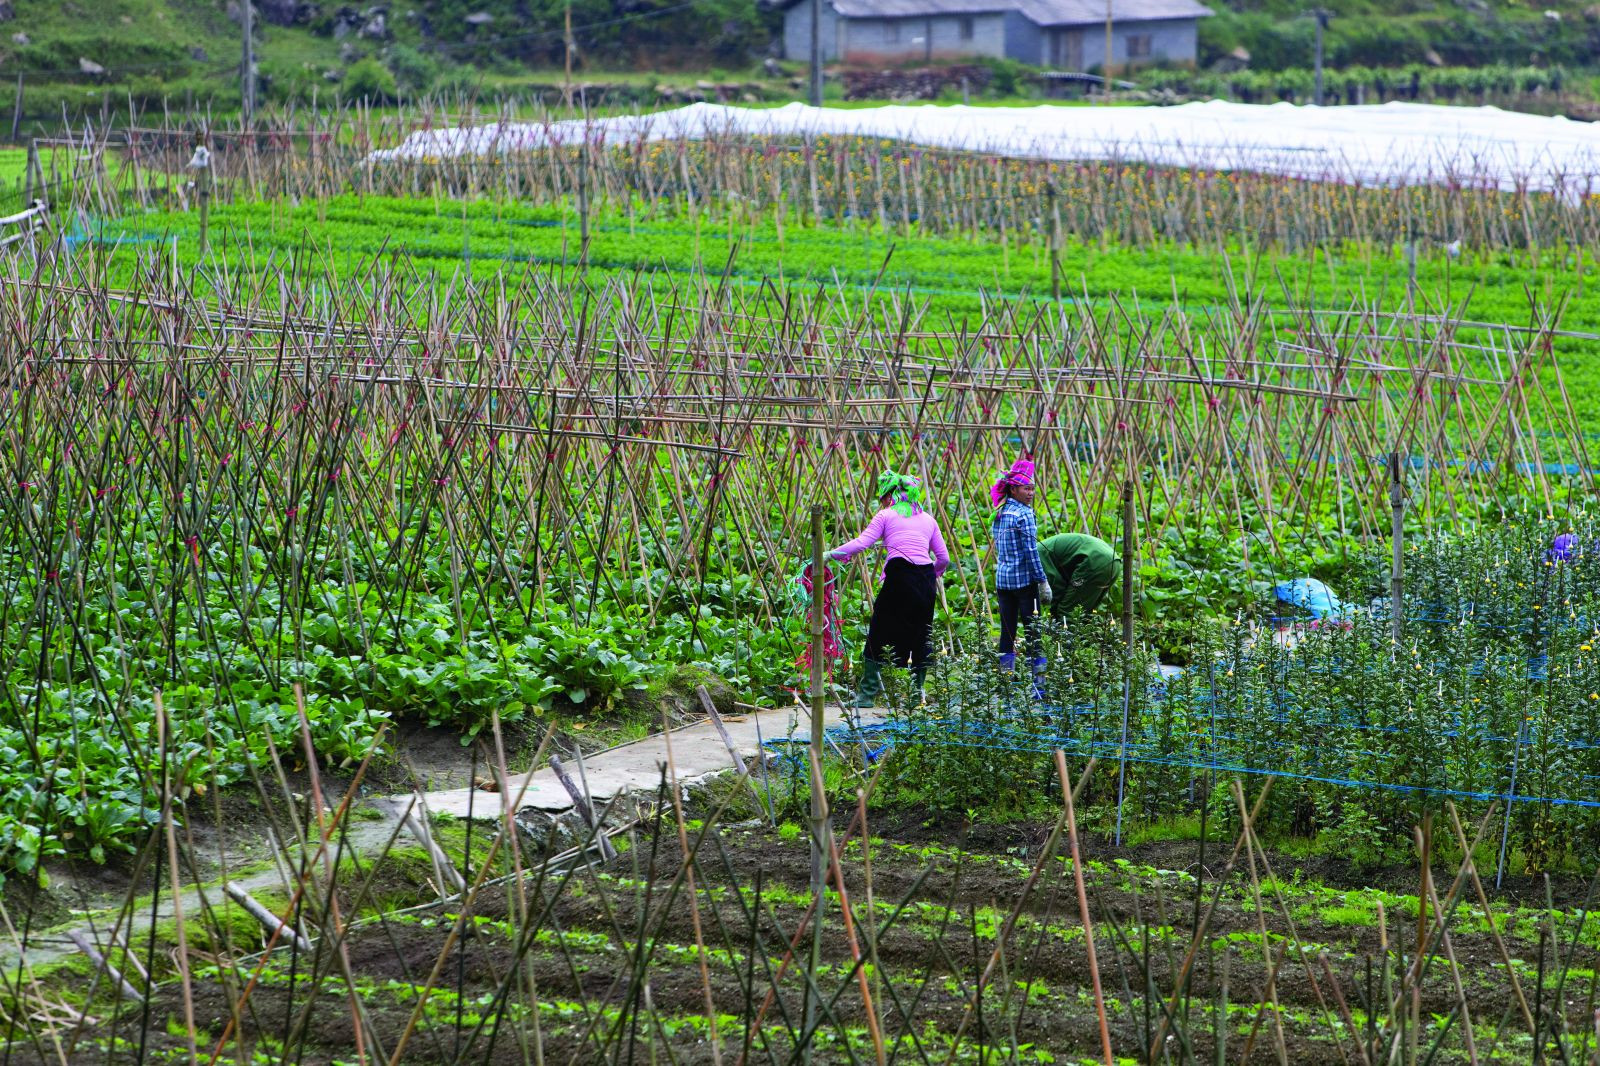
1080, 569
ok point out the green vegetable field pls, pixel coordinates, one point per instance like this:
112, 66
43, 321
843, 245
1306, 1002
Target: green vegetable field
366, 523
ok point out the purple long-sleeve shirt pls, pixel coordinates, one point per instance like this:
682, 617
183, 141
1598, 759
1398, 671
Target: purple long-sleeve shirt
916, 539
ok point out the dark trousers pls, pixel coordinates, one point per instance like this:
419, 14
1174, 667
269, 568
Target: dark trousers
1019, 605
902, 615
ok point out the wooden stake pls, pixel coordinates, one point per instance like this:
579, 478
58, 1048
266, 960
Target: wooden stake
269, 921
1083, 908
1129, 538
1397, 533
83, 944
16, 111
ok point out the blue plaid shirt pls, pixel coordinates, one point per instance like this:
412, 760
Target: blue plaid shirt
1016, 547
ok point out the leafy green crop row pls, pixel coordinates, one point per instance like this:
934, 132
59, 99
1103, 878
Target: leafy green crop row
953, 278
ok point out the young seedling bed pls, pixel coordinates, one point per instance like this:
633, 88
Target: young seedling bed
618, 959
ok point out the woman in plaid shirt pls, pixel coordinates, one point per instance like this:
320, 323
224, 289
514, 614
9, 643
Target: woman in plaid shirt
1019, 578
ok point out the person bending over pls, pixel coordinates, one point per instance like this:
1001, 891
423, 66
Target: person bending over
1080, 570
902, 613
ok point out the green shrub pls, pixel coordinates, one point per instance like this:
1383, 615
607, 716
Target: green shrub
1375, 42
1008, 77
289, 82
414, 71
369, 80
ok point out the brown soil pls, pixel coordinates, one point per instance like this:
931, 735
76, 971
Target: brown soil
932, 932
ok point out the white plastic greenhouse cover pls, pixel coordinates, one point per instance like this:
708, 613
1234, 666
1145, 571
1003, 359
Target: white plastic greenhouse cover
1393, 143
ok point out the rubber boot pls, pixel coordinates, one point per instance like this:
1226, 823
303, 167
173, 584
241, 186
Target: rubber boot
871, 685
1008, 661
919, 677
1038, 664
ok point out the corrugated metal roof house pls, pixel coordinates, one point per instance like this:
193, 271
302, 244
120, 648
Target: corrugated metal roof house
1064, 34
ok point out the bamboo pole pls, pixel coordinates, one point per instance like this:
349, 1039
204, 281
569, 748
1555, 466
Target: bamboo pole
819, 803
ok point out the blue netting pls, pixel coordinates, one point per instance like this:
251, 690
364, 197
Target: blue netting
1225, 748
1492, 694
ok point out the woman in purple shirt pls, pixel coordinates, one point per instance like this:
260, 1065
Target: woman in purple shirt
902, 615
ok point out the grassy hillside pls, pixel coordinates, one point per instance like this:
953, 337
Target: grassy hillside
186, 52
179, 49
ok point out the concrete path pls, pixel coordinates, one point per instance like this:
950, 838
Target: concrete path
697, 753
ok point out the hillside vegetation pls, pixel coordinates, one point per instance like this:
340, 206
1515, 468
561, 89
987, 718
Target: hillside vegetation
1279, 34
86, 58
90, 57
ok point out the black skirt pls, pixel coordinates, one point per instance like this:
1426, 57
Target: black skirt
902, 615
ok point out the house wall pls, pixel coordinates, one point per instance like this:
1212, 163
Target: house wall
1083, 48
797, 32
1007, 34
933, 37
1024, 40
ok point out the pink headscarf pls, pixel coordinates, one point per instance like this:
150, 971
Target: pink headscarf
1021, 473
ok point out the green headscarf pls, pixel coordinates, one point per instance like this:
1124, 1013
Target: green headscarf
903, 490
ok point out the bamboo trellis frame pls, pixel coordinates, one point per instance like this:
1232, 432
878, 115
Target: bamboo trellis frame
643, 423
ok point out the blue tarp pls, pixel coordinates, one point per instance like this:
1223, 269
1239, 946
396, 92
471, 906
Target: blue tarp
1312, 595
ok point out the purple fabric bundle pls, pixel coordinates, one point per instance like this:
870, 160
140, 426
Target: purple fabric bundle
1563, 548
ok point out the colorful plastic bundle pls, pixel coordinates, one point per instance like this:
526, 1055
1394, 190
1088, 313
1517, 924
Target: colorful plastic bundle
832, 643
